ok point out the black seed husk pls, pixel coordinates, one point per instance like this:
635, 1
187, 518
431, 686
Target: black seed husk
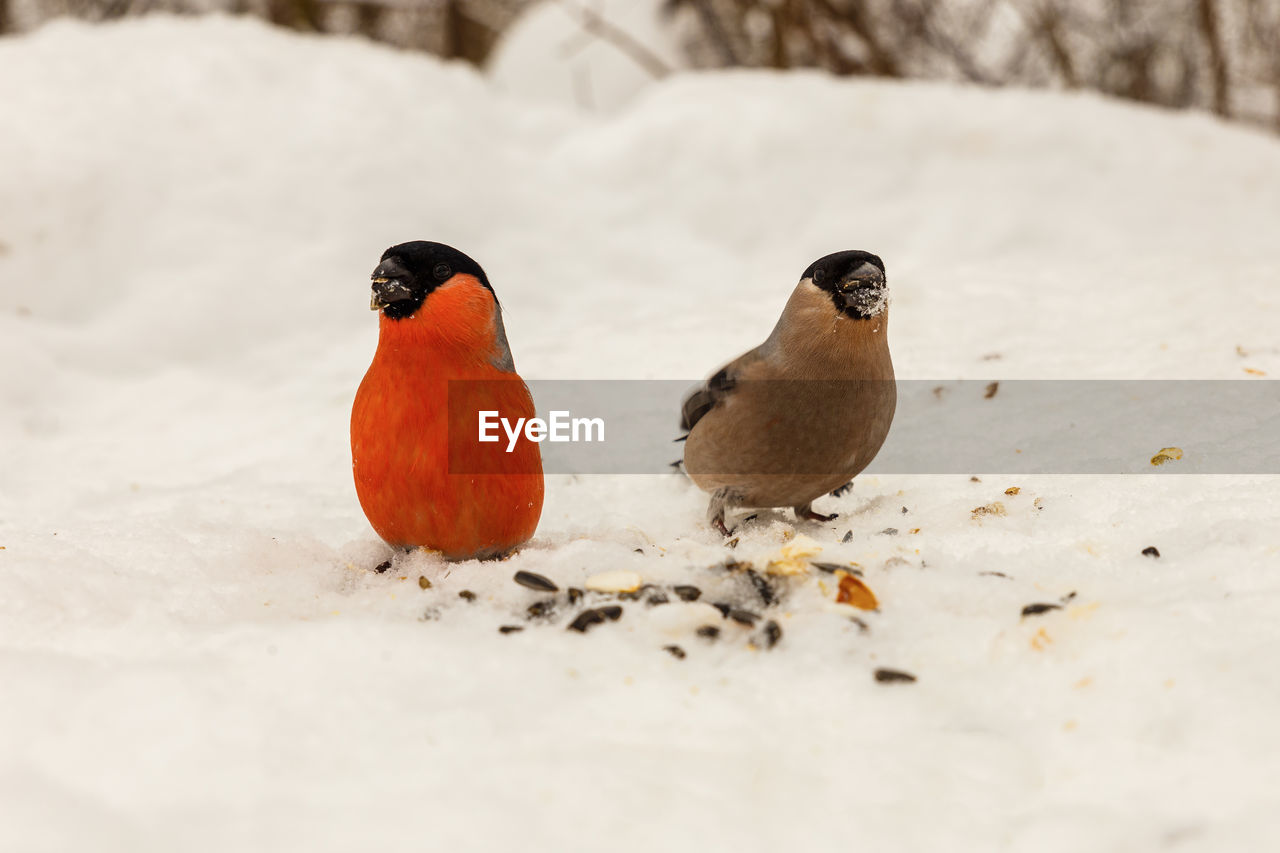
575, 595
995, 574
510, 629
763, 587
382, 567
1151, 551
657, 598
585, 620
1037, 609
685, 592
832, 568
744, 617
772, 634
675, 651
709, 632
542, 609
536, 581
894, 676
467, 595
723, 607
848, 536
889, 531
612, 612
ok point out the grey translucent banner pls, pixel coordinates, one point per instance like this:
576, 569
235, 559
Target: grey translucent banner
940, 427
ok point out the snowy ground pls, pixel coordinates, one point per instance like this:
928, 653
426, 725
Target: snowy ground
195, 654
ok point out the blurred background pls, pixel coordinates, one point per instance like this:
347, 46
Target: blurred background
1217, 55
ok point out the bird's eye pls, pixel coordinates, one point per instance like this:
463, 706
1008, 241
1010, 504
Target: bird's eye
442, 272
818, 275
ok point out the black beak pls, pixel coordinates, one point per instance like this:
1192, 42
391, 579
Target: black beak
389, 284
862, 287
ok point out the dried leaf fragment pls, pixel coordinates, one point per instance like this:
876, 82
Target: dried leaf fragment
993, 508
856, 593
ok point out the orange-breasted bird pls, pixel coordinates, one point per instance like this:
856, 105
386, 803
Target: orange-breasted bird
423, 477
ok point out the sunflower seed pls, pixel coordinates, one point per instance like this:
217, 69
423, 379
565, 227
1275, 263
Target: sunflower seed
510, 629
744, 617
541, 609
676, 652
1151, 551
686, 592
892, 676
709, 632
535, 581
467, 595
1037, 609
763, 587
382, 567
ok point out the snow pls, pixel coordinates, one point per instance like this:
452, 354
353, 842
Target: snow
197, 654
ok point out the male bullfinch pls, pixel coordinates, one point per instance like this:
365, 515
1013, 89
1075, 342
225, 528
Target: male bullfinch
808, 409
423, 477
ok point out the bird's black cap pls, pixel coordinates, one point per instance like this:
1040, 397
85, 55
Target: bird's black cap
409, 272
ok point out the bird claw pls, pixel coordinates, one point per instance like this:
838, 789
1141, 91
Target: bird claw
810, 515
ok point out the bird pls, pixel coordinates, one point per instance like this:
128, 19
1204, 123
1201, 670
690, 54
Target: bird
423, 478
807, 410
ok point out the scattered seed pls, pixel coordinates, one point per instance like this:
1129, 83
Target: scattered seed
889, 531
1068, 597
382, 567
863, 627
676, 652
722, 607
991, 389
744, 617
1151, 551
904, 510
467, 595
615, 581
832, 568
993, 508
575, 595
848, 536
634, 595
586, 619
542, 609
894, 676
510, 629
1037, 609
686, 592
656, 599
995, 574
763, 587
772, 634
732, 543
423, 583
535, 581
638, 550
974, 480
709, 632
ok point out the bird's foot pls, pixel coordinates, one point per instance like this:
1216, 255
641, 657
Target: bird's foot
718, 524
720, 499
841, 491
806, 513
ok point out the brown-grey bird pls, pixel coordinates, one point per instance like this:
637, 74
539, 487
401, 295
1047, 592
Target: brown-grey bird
808, 409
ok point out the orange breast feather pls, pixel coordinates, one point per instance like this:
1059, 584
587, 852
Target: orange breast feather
421, 473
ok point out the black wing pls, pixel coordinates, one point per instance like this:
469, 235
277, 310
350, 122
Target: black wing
705, 397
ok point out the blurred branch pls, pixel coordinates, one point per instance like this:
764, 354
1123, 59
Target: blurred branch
1217, 56
595, 24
